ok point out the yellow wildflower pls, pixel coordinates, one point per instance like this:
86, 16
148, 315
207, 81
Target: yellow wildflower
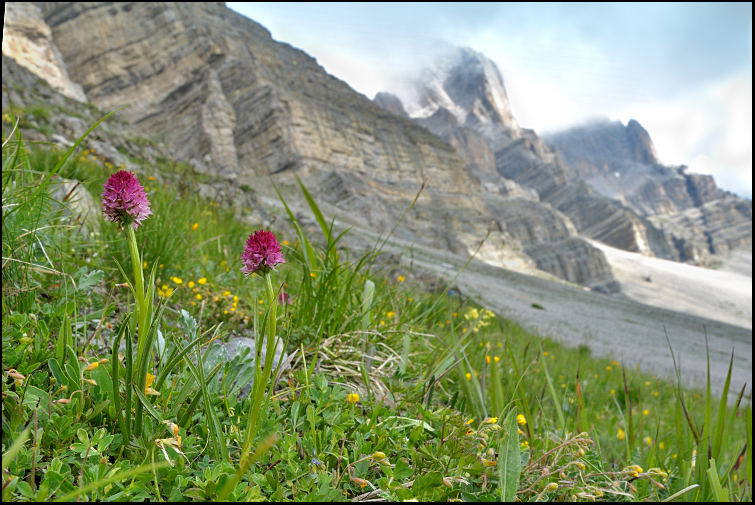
194, 227
496, 359
91, 366
352, 398
621, 435
521, 420
198, 297
178, 280
487, 359
469, 376
401, 278
202, 281
191, 284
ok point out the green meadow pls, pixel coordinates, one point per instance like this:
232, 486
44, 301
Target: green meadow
388, 389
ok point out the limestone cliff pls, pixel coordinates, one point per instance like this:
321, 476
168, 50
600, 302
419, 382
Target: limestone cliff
215, 88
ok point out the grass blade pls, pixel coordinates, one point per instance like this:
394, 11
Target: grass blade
509, 459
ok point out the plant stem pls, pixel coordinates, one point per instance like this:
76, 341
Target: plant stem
262, 373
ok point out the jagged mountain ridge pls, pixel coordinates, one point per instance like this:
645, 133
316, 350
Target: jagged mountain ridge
620, 162
644, 209
228, 99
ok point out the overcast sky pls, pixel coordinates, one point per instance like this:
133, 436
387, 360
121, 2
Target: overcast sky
684, 71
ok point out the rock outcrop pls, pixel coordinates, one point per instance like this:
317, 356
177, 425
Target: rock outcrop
28, 40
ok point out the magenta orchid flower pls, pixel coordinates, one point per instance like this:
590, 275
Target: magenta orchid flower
261, 253
124, 200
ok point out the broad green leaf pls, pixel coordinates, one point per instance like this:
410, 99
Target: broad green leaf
509, 459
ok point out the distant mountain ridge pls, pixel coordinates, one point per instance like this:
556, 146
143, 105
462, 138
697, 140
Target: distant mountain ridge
606, 177
620, 162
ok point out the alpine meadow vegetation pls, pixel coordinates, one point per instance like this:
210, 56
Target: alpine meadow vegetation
361, 383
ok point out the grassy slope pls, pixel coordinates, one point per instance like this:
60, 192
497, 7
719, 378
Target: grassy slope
321, 435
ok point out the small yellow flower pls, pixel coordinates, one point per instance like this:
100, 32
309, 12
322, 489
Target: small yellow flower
469, 376
488, 462
352, 398
662, 445
312, 274
470, 421
390, 314
235, 298
496, 359
178, 280
144, 264
198, 297
148, 385
645, 412
621, 435
608, 368
525, 444
91, 366
401, 278
545, 353
286, 242
615, 363
490, 420
521, 420
194, 227
487, 359
151, 178
648, 440
226, 293
202, 281
613, 391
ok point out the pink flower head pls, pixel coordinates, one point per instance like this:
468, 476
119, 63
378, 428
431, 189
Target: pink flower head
124, 201
261, 253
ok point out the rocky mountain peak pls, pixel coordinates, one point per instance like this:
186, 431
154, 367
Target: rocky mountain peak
467, 84
391, 103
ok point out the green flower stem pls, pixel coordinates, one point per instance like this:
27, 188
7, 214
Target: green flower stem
143, 322
263, 374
